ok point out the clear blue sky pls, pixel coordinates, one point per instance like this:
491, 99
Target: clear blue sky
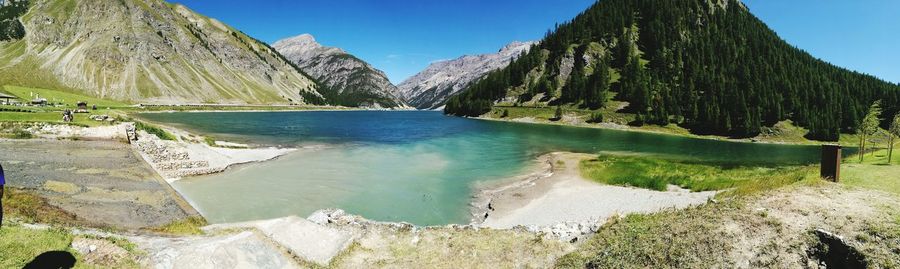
403, 37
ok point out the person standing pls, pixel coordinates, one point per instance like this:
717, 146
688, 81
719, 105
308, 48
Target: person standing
2, 182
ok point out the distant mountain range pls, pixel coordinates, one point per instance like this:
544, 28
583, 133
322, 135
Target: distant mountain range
152, 51
146, 51
707, 65
347, 80
431, 88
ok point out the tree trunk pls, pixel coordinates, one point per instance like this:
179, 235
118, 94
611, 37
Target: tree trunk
862, 147
891, 150
862, 155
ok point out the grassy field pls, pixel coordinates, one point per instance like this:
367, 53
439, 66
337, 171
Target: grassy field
874, 172
69, 100
49, 117
657, 173
53, 114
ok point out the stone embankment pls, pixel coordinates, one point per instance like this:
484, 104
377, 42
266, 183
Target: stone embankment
177, 159
171, 159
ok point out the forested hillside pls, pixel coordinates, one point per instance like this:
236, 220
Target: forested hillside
707, 65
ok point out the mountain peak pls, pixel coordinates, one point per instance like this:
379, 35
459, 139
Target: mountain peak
349, 80
306, 41
517, 46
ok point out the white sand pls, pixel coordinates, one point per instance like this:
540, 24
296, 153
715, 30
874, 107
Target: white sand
565, 196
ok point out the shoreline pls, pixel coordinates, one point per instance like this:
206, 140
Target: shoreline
554, 199
604, 126
625, 128
287, 109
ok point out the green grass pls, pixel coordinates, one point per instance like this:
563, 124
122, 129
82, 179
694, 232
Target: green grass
53, 114
19, 245
54, 96
48, 117
782, 132
657, 173
874, 172
187, 226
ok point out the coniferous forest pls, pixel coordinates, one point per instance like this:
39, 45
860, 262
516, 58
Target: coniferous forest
709, 66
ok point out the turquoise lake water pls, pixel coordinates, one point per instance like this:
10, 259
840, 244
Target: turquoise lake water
413, 166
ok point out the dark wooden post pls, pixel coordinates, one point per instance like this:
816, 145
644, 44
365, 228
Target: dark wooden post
831, 162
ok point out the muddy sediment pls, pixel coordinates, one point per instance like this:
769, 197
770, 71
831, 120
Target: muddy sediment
104, 183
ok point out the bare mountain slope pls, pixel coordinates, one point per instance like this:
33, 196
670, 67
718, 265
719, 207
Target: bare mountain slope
147, 51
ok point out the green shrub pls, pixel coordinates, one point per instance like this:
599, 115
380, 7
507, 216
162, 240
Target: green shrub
151, 129
596, 118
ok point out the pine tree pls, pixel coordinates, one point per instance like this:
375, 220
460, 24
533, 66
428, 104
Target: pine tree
558, 114
598, 85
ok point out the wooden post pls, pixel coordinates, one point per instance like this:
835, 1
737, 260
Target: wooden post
831, 162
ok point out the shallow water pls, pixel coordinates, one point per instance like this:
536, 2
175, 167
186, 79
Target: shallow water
414, 166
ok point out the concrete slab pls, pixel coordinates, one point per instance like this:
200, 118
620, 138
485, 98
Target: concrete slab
302, 238
305, 239
242, 250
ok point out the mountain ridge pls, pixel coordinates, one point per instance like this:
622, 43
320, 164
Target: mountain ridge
430, 88
348, 80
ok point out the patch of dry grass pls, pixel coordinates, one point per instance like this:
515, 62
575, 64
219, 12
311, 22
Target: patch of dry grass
451, 248
29, 207
773, 229
61, 187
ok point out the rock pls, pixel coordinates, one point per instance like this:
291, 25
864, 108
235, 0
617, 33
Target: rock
319, 217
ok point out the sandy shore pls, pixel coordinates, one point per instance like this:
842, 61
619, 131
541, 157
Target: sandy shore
556, 193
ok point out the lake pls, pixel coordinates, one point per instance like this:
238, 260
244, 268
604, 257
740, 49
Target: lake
413, 166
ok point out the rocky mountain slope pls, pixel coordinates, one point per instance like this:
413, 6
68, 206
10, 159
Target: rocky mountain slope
432, 87
147, 51
348, 80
